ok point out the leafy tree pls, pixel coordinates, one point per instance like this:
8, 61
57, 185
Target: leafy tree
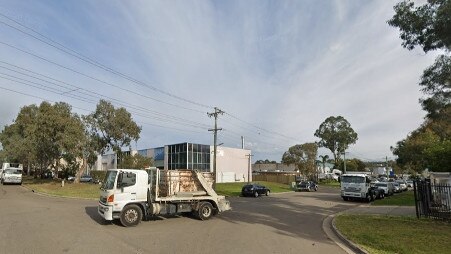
17, 139
112, 128
44, 135
353, 165
108, 129
429, 27
324, 159
336, 135
422, 149
136, 161
57, 134
303, 157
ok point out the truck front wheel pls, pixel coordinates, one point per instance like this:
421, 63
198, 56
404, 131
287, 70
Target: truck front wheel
131, 216
205, 211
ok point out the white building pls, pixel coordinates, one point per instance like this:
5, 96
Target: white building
232, 164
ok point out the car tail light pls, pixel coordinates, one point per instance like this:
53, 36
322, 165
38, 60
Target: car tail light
110, 198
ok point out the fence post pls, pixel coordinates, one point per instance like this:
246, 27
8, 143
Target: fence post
416, 198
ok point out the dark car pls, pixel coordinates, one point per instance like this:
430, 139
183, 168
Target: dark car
254, 190
306, 186
378, 193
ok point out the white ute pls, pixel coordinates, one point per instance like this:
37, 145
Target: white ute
132, 195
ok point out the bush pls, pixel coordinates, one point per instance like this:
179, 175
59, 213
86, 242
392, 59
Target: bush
98, 174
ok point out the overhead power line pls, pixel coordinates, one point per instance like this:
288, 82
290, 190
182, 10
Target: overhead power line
54, 44
87, 110
93, 78
88, 60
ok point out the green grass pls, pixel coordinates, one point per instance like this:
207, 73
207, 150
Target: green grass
87, 190
53, 187
389, 234
234, 189
405, 198
334, 184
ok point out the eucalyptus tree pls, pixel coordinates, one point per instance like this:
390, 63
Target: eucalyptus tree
108, 129
336, 134
303, 157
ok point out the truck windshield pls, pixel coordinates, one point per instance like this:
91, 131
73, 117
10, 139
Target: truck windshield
110, 178
353, 179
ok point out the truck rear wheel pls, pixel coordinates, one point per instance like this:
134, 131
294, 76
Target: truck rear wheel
131, 216
205, 211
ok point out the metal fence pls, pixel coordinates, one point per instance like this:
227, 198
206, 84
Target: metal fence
432, 200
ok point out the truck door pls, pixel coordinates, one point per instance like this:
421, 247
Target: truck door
126, 189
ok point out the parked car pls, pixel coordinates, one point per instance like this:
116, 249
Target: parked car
254, 190
409, 183
386, 186
397, 187
86, 179
71, 178
402, 184
306, 186
378, 193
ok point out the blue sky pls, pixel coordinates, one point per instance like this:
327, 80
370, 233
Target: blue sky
277, 68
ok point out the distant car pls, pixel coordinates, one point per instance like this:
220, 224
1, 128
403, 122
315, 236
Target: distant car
386, 186
397, 187
254, 190
402, 184
306, 186
86, 179
409, 183
379, 193
71, 178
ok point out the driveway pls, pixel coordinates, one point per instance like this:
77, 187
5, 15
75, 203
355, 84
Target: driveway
280, 223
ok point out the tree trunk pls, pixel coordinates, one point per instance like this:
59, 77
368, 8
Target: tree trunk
81, 170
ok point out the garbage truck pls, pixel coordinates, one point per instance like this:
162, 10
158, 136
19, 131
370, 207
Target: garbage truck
131, 195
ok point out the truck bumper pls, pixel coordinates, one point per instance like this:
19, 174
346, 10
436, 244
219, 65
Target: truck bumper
353, 194
105, 211
224, 205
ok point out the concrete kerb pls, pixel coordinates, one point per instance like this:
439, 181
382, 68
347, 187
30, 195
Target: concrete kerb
334, 234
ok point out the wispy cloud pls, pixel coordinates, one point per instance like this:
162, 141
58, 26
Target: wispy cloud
283, 66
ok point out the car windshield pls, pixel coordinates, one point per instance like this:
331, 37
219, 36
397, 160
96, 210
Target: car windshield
353, 179
110, 178
13, 171
381, 184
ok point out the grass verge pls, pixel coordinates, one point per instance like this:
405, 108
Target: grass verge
234, 189
389, 234
87, 190
405, 198
334, 184
53, 187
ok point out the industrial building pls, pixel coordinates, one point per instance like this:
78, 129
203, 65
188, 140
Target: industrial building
232, 164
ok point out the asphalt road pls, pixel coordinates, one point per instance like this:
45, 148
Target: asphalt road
280, 223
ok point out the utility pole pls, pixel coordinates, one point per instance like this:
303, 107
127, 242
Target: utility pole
249, 167
215, 130
344, 159
386, 166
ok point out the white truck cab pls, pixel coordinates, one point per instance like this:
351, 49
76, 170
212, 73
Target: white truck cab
356, 186
131, 195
